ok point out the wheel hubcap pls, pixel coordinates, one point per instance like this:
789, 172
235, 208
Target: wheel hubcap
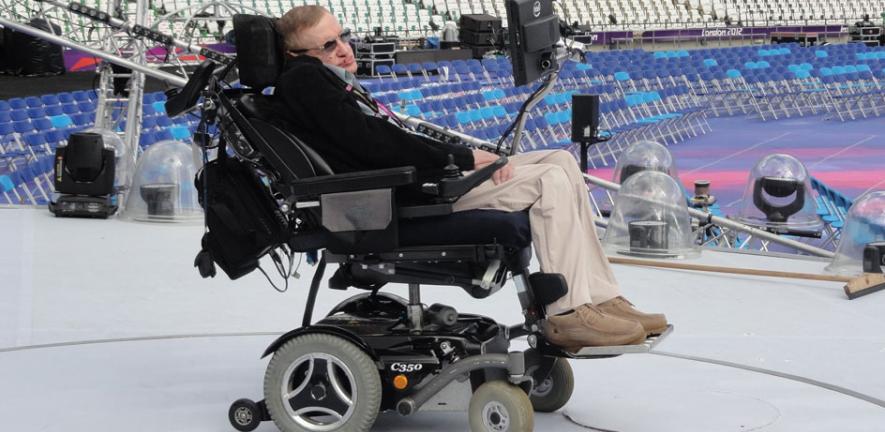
495, 416
319, 392
243, 416
543, 389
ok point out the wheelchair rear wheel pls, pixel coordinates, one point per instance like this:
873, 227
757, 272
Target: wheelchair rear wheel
320, 382
498, 406
555, 391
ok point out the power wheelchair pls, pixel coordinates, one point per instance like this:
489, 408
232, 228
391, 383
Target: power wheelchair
375, 351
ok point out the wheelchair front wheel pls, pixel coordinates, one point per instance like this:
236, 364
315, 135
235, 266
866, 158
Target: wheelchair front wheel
245, 415
320, 382
554, 392
498, 406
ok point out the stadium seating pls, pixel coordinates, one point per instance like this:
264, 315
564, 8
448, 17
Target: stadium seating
660, 95
417, 18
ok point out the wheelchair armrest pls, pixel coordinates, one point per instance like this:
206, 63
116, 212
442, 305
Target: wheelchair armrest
355, 181
456, 187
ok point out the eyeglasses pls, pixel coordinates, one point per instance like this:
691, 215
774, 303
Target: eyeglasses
329, 46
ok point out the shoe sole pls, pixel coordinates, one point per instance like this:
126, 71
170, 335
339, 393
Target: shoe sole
574, 349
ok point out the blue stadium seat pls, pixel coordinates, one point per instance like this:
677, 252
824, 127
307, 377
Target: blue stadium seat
38, 112
65, 97
82, 95
163, 135
34, 139
180, 133
430, 67
83, 119
42, 124
86, 106
61, 121
49, 99
146, 139
383, 70
70, 108
33, 102
17, 103
23, 126
55, 137
164, 122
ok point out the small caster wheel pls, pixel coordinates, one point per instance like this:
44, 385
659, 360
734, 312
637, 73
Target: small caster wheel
245, 415
498, 406
554, 392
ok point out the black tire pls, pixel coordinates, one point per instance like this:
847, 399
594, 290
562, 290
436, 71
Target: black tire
555, 391
351, 395
498, 406
245, 415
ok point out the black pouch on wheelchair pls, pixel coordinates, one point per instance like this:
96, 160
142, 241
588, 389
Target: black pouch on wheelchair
242, 219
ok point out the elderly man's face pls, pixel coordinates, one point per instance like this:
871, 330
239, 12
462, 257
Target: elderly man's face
323, 41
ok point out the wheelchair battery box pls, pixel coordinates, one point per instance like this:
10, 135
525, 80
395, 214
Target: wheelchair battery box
367, 210
360, 221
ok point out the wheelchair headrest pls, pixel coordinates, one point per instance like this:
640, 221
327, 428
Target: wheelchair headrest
259, 53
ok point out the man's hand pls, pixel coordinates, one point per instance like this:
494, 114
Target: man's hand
482, 158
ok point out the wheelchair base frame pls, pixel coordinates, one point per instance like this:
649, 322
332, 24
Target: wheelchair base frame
436, 361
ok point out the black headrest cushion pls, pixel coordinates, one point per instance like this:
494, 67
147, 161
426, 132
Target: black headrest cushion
259, 53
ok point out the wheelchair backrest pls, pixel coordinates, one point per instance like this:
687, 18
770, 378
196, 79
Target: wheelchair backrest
260, 61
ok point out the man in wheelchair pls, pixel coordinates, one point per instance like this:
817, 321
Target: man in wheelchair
324, 103
320, 165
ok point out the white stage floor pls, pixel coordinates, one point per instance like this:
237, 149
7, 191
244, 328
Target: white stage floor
105, 325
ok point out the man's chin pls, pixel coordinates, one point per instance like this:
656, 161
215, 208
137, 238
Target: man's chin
350, 66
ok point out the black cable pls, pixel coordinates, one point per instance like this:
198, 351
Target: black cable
521, 113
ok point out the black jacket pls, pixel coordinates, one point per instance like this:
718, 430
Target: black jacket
326, 116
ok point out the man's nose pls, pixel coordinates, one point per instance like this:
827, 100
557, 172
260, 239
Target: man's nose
342, 48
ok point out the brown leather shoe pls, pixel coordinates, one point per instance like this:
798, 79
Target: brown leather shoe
653, 324
587, 326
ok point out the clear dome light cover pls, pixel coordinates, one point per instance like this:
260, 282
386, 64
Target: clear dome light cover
779, 197
650, 218
865, 223
644, 155
163, 185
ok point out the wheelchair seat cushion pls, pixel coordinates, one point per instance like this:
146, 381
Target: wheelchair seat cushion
510, 229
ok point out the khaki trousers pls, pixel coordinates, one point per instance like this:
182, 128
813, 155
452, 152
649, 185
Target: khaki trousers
549, 183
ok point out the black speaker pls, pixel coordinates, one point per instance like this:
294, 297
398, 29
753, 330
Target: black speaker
480, 38
480, 23
31, 56
585, 117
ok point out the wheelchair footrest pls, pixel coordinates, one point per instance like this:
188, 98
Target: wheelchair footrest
609, 351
